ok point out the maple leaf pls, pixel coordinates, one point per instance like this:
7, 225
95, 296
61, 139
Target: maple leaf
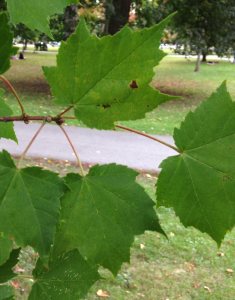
29, 204
111, 208
67, 277
111, 81
6, 272
6, 292
6, 129
200, 182
6, 246
35, 14
6, 49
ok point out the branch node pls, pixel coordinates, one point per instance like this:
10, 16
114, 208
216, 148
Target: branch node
48, 119
26, 118
59, 121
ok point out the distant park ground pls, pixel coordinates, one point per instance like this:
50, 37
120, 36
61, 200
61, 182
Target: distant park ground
174, 76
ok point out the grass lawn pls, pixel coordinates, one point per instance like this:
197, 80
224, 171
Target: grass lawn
186, 266
173, 76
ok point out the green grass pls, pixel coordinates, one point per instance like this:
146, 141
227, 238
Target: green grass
187, 265
174, 76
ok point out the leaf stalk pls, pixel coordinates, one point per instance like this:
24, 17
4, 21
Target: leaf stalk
149, 137
13, 91
74, 150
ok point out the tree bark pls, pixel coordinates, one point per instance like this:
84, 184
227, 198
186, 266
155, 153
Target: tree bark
25, 45
119, 17
204, 55
197, 66
70, 20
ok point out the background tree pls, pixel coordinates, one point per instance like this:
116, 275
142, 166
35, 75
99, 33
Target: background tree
2, 5
201, 24
25, 34
63, 25
116, 14
70, 20
226, 44
146, 12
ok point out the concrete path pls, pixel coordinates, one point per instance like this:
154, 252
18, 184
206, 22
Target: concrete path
93, 146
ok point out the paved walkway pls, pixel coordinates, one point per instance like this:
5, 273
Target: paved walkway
93, 146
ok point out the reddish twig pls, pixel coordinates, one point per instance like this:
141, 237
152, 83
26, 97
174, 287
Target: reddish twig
148, 136
27, 118
65, 111
13, 91
74, 150
30, 143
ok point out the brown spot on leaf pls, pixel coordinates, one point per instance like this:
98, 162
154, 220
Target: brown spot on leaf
105, 106
133, 85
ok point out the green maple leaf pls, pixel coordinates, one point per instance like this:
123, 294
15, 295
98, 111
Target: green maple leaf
68, 277
6, 49
102, 213
6, 129
6, 272
6, 246
200, 182
107, 79
6, 292
29, 204
35, 14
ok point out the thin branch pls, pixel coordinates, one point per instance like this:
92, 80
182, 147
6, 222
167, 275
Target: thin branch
148, 136
74, 150
30, 143
69, 118
65, 111
11, 88
27, 118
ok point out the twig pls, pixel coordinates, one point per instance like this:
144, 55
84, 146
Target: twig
65, 111
11, 88
30, 143
148, 136
27, 118
74, 150
69, 118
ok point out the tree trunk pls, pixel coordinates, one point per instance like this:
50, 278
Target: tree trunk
204, 55
70, 20
234, 57
25, 45
197, 66
119, 15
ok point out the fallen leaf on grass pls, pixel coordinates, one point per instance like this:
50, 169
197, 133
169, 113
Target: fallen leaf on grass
207, 289
19, 270
179, 271
102, 294
196, 285
15, 284
190, 266
229, 271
